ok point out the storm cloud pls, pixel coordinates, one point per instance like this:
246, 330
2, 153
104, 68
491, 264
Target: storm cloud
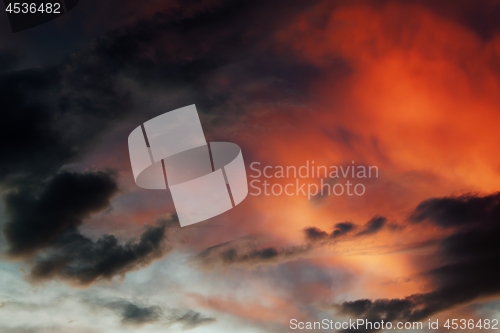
43, 227
78, 259
67, 199
56, 113
469, 257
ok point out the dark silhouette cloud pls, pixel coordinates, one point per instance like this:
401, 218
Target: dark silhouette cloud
43, 223
53, 115
373, 226
56, 112
251, 251
465, 210
342, 228
78, 259
314, 234
469, 257
248, 252
36, 218
480, 17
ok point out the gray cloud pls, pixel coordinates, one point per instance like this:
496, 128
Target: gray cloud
190, 319
136, 314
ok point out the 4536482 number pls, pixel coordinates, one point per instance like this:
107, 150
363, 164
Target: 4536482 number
32, 8
485, 324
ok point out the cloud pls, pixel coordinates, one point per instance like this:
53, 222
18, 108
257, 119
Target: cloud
190, 319
373, 226
38, 216
9, 60
314, 233
466, 210
57, 113
77, 259
42, 227
54, 116
340, 229
136, 314
468, 256
254, 251
248, 251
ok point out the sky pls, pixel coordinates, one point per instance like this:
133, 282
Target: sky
411, 88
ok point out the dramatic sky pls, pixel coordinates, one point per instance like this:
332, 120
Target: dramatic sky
411, 87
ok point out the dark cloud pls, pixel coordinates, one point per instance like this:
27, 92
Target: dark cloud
383, 309
314, 234
342, 228
78, 259
30, 135
251, 251
136, 314
469, 260
43, 225
37, 217
481, 16
373, 226
55, 113
248, 252
9, 60
467, 210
